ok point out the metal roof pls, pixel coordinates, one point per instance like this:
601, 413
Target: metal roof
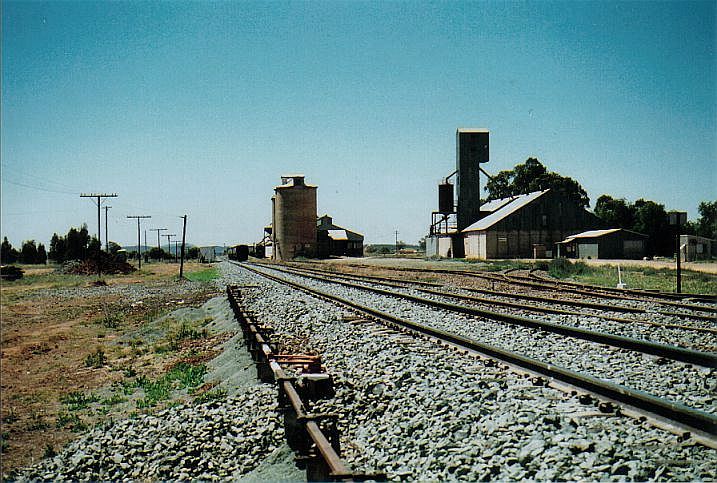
493, 205
338, 234
290, 178
472, 129
598, 234
511, 207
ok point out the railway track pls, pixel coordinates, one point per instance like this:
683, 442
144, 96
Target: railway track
448, 291
661, 350
420, 408
664, 413
590, 291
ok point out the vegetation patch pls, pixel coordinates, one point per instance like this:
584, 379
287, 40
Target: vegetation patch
181, 376
111, 320
564, 268
96, 359
213, 395
71, 421
203, 275
77, 400
648, 278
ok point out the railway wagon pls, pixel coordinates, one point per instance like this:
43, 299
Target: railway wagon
239, 253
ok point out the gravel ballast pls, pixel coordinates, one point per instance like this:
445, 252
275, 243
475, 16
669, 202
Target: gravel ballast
417, 410
694, 386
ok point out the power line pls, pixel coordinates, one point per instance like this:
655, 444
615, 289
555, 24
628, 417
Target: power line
107, 243
139, 239
38, 188
158, 230
99, 197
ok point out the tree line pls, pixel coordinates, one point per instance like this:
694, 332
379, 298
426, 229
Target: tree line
643, 216
77, 244
30, 253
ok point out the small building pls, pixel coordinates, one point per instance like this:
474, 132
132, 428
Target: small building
337, 241
610, 244
696, 247
207, 254
524, 226
442, 245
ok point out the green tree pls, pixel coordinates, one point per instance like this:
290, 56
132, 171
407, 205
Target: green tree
193, 252
28, 252
7, 253
533, 176
158, 254
58, 248
707, 223
77, 242
41, 254
651, 220
422, 244
616, 213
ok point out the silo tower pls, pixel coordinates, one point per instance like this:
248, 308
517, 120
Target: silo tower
294, 218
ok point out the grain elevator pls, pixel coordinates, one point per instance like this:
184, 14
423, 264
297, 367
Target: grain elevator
459, 204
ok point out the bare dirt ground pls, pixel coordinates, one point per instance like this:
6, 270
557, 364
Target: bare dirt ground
62, 337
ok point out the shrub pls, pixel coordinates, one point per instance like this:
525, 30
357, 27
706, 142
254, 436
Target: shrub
563, 268
97, 359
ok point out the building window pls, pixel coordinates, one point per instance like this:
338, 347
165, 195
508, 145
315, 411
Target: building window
544, 220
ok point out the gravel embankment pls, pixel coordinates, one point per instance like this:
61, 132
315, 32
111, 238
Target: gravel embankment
207, 441
416, 410
239, 436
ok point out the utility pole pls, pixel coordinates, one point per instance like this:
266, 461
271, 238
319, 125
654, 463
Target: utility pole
145, 238
158, 230
169, 242
107, 243
176, 250
396, 241
139, 239
99, 197
181, 260
676, 219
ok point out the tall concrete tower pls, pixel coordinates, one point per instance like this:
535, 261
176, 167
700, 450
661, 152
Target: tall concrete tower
471, 150
294, 218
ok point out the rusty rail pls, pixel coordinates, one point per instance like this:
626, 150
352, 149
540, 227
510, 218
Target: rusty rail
313, 437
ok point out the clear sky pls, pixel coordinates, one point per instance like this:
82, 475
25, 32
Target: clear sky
200, 107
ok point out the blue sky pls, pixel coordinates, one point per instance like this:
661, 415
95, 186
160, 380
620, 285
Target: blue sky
200, 107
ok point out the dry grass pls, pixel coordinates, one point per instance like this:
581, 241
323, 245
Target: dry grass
51, 347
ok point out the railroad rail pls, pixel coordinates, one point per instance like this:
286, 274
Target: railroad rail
650, 293
595, 291
674, 417
398, 283
661, 350
314, 437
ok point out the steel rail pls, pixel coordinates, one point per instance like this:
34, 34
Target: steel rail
665, 414
613, 293
661, 350
645, 292
329, 466
549, 286
392, 282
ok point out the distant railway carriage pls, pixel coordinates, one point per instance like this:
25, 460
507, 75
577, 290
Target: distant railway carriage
239, 253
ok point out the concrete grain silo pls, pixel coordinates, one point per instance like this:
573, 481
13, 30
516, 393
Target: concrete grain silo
294, 218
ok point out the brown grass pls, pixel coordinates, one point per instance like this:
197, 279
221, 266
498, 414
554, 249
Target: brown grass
45, 343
